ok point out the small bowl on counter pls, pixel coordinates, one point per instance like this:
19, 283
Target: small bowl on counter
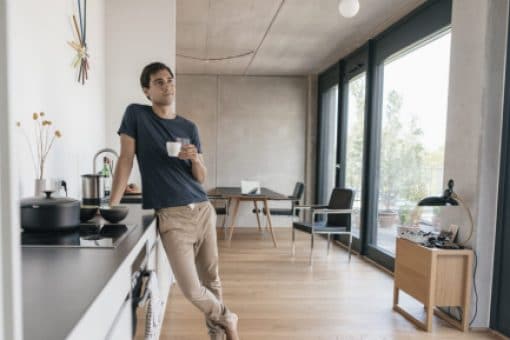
114, 214
87, 212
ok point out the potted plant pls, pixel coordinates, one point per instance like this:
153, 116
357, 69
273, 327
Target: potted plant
387, 217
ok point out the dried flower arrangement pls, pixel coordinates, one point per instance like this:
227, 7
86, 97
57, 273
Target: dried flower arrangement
45, 135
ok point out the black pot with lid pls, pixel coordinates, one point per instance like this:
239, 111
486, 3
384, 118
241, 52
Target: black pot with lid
49, 213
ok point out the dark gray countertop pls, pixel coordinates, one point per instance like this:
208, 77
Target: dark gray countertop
59, 284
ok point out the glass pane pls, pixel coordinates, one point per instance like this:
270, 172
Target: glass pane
328, 143
413, 134
354, 146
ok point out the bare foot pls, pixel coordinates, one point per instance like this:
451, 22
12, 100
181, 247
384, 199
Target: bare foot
231, 327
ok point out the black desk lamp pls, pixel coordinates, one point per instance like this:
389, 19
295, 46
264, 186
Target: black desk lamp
449, 197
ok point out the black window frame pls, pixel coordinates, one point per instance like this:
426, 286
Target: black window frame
353, 65
503, 215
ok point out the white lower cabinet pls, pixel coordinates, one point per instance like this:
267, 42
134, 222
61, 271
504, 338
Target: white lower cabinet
164, 271
158, 262
122, 326
110, 315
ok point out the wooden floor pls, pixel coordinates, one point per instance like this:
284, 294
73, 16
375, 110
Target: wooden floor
280, 297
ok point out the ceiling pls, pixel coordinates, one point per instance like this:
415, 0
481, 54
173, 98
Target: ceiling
279, 37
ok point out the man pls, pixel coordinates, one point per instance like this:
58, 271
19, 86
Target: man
173, 187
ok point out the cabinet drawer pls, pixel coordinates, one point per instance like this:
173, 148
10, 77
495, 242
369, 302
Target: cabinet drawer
412, 269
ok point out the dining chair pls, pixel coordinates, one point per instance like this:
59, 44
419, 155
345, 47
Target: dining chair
295, 198
338, 219
221, 210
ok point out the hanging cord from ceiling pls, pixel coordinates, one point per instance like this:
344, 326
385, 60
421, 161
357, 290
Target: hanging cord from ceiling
253, 53
230, 57
206, 58
273, 19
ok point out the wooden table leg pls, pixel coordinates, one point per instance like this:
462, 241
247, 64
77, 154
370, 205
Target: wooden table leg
430, 313
228, 208
234, 218
257, 213
268, 216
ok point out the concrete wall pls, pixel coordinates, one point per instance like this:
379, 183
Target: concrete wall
311, 140
133, 40
473, 134
251, 128
43, 80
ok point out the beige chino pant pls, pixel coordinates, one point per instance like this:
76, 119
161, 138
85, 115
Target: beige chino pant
188, 234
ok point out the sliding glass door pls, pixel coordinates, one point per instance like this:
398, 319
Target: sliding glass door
353, 164
351, 141
382, 125
328, 166
412, 138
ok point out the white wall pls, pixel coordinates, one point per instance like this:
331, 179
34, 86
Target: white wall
10, 273
473, 134
39, 78
250, 128
43, 80
311, 140
137, 33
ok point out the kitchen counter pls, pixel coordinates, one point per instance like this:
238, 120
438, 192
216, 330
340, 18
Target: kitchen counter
60, 284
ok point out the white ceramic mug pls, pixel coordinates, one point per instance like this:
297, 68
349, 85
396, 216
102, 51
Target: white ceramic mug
173, 148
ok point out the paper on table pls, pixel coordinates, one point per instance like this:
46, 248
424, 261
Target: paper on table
250, 187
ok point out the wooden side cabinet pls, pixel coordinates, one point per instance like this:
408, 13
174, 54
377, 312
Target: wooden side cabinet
435, 277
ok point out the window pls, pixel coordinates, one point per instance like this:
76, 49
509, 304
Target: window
412, 138
327, 134
329, 127
354, 144
382, 118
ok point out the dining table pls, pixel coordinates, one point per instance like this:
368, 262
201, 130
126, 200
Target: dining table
235, 196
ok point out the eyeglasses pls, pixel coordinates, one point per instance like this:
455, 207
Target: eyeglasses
161, 82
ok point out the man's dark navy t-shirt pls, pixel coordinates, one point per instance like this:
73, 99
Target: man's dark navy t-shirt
166, 181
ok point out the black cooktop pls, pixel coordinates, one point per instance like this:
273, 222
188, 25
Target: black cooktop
87, 235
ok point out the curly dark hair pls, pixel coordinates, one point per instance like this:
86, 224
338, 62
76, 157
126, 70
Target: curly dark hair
149, 70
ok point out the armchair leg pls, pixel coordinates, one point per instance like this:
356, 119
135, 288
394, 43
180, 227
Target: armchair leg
311, 249
350, 246
329, 244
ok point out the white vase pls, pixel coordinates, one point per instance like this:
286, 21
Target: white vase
42, 185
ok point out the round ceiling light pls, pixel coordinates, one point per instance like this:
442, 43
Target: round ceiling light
348, 8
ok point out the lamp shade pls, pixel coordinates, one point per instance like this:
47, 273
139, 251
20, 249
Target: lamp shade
348, 8
446, 199
433, 201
